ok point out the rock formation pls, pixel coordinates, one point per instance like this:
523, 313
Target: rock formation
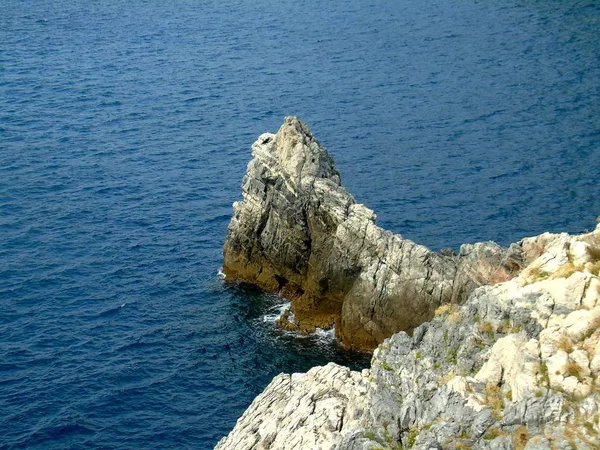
517, 366
300, 233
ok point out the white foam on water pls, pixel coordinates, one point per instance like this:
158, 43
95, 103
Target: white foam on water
320, 335
220, 273
325, 336
276, 312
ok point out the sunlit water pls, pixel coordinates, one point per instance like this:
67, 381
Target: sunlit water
125, 130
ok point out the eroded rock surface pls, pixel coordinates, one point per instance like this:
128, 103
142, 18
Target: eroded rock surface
516, 367
302, 411
299, 232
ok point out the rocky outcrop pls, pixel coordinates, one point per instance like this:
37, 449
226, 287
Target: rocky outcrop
303, 411
299, 232
516, 367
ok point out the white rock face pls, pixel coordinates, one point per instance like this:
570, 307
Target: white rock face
517, 366
513, 361
302, 411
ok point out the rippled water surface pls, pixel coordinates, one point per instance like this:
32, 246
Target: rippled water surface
125, 129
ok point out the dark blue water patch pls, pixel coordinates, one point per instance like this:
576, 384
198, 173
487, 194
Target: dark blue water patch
125, 130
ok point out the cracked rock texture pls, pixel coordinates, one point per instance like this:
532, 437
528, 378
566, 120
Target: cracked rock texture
299, 232
517, 366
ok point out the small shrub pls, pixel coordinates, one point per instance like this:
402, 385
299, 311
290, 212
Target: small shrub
487, 329
476, 318
463, 434
418, 355
446, 308
594, 252
571, 433
544, 373
413, 433
494, 399
508, 395
505, 327
492, 433
595, 268
452, 310
520, 438
539, 393
386, 366
536, 274
370, 435
451, 358
593, 327
589, 426
566, 270
565, 344
446, 378
573, 370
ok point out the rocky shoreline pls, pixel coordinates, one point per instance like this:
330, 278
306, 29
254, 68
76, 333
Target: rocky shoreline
516, 367
503, 349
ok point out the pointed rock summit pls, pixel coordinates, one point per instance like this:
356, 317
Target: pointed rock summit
298, 232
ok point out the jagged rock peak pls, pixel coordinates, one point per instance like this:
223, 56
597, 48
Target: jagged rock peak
298, 153
300, 233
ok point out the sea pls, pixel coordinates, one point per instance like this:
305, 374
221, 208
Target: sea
125, 131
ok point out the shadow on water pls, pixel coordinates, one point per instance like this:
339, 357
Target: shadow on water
254, 312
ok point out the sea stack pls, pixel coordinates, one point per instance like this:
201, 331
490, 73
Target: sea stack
300, 233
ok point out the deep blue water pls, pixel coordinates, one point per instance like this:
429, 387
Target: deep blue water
125, 130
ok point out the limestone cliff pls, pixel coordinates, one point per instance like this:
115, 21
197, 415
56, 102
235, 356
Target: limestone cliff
299, 232
517, 366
